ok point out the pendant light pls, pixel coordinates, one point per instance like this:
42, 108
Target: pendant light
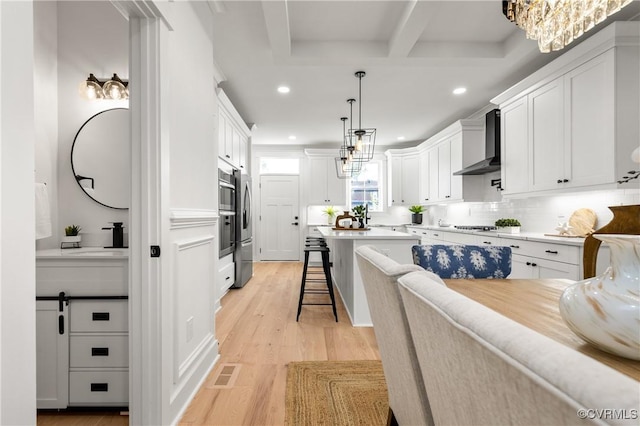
365, 139
348, 163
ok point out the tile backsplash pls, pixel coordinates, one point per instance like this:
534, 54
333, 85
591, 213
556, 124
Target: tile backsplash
536, 214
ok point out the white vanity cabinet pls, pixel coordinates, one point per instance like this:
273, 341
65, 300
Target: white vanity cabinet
82, 329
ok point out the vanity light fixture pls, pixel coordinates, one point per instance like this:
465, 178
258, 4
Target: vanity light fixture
115, 88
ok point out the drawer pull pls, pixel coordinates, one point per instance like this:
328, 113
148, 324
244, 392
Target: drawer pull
228, 278
99, 387
534, 264
551, 251
487, 242
435, 235
514, 246
100, 316
99, 351
528, 263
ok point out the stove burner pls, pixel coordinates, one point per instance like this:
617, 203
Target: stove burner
475, 228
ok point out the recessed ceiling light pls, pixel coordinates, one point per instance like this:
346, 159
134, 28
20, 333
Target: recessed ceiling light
283, 89
292, 137
459, 90
400, 138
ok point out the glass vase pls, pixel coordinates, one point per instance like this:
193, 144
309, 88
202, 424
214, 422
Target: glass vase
605, 310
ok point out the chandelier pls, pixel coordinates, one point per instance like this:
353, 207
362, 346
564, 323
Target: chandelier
357, 144
556, 23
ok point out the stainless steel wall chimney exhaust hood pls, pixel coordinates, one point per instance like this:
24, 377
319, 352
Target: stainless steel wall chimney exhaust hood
491, 163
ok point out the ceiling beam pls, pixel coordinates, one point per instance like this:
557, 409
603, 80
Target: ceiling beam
276, 18
411, 25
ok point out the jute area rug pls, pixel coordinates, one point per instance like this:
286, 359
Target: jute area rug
336, 393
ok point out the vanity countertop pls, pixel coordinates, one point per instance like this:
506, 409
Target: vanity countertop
84, 253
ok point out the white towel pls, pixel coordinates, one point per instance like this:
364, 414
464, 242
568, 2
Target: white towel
43, 212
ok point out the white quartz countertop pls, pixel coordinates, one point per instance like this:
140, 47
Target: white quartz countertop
529, 236
372, 234
84, 253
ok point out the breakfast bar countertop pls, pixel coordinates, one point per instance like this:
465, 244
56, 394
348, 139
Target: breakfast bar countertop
371, 234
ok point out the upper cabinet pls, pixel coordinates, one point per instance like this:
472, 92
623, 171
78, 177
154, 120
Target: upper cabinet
403, 177
233, 134
573, 124
324, 185
433, 163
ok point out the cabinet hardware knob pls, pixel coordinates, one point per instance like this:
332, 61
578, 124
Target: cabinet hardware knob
534, 264
294, 223
565, 180
559, 180
447, 196
528, 263
227, 278
551, 251
515, 246
435, 235
487, 242
227, 155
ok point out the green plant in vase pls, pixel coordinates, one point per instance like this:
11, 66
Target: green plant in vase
331, 213
72, 235
510, 226
359, 212
416, 214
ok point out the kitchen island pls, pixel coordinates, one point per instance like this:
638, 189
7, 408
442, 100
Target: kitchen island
345, 272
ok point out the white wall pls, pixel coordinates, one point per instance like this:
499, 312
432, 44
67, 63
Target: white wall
17, 219
92, 38
190, 349
46, 109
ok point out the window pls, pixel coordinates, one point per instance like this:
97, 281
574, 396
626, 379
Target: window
280, 166
366, 188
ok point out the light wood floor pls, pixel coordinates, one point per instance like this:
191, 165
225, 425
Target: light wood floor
258, 336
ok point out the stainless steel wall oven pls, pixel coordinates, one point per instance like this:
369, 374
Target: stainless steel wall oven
227, 210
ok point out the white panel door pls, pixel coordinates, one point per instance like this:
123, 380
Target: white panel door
52, 356
279, 218
546, 109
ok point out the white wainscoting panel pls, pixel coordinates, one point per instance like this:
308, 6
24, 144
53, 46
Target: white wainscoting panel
193, 302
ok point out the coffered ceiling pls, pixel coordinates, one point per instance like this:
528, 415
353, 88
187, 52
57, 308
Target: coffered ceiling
414, 54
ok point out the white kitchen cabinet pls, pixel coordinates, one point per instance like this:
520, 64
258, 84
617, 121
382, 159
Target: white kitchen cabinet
324, 185
403, 174
581, 118
233, 134
515, 147
226, 276
424, 189
546, 148
81, 330
433, 174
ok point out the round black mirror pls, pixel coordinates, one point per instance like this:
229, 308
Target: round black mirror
100, 158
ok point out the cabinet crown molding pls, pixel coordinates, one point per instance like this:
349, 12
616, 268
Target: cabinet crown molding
617, 34
225, 103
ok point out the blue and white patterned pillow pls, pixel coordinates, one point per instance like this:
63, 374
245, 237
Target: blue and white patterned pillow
464, 261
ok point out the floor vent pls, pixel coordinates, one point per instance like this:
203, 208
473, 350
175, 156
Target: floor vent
226, 376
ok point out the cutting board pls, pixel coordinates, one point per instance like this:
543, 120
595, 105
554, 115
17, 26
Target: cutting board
583, 222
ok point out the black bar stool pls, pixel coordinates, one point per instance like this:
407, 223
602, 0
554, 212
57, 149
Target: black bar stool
308, 273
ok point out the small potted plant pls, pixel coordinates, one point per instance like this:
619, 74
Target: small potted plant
72, 234
331, 212
359, 212
509, 226
416, 214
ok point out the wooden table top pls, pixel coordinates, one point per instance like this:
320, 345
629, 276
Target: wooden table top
534, 304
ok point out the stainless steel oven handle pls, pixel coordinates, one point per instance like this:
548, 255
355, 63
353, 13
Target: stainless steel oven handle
226, 185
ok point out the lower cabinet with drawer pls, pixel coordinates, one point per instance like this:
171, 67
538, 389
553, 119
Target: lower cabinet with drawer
82, 333
98, 353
